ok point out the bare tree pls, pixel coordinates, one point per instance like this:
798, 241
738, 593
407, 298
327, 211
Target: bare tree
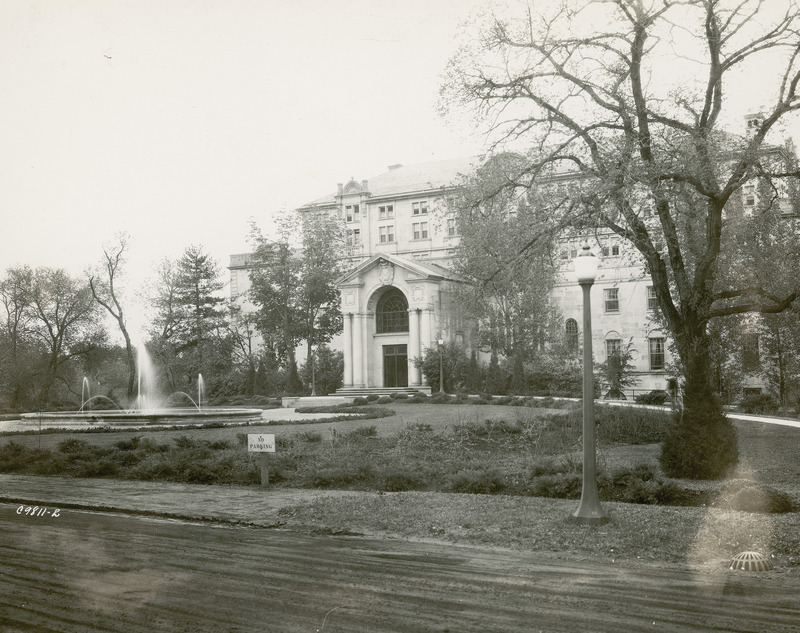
631, 96
105, 292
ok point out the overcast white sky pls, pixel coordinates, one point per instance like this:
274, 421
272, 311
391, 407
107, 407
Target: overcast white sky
178, 120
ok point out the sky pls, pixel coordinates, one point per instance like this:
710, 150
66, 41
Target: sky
177, 121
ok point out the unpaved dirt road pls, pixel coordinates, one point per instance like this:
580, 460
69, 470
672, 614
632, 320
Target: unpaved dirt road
85, 571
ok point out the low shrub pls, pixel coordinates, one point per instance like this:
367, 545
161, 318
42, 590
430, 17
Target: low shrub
418, 397
699, 444
549, 466
419, 427
129, 444
384, 400
73, 445
440, 398
477, 481
311, 437
629, 425
372, 397
399, 480
184, 441
400, 396
358, 401
565, 485
759, 403
749, 496
655, 397
362, 431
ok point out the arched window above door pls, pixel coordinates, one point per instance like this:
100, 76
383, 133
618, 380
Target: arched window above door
391, 313
571, 334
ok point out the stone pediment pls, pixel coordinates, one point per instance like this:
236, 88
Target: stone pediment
388, 268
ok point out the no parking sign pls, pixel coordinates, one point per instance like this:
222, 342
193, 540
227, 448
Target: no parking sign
262, 443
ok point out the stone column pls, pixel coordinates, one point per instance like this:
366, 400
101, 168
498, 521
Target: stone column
413, 347
358, 356
366, 352
426, 316
348, 350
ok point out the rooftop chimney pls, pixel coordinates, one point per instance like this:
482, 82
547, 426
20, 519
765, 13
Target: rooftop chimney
753, 122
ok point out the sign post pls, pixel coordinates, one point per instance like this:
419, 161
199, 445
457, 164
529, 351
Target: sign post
263, 444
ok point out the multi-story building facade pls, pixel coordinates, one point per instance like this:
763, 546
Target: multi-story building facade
397, 296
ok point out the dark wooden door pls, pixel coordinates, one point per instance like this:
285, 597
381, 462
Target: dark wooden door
395, 366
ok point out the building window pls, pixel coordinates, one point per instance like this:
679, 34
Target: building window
386, 212
386, 233
612, 299
656, 354
612, 251
353, 237
351, 212
420, 230
749, 195
613, 346
751, 359
419, 208
652, 300
451, 227
391, 313
571, 334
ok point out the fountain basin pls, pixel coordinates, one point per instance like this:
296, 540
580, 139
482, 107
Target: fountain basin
187, 415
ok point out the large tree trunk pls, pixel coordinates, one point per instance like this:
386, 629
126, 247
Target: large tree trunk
701, 442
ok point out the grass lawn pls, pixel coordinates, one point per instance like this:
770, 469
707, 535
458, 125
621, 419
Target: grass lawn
422, 462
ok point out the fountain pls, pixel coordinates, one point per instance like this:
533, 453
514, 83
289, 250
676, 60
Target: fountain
148, 408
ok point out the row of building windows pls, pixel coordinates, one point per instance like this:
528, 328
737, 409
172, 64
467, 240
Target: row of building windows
386, 234
614, 346
611, 299
352, 212
572, 253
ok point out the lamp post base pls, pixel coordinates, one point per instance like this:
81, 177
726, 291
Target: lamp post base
588, 520
582, 519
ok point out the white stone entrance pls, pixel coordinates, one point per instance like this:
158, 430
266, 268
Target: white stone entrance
391, 314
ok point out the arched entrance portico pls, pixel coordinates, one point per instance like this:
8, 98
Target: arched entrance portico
389, 305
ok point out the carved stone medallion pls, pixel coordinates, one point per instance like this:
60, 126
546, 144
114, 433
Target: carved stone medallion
385, 272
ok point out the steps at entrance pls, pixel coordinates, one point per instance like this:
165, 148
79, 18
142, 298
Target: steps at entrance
363, 392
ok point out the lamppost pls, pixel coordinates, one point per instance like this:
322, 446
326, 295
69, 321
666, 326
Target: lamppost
441, 365
313, 373
589, 512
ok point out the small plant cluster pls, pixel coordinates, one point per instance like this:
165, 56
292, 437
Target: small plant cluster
261, 402
185, 460
533, 455
750, 496
759, 403
656, 397
638, 484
